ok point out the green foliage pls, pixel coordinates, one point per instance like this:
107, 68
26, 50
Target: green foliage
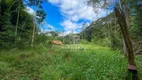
70, 39
8, 23
136, 29
139, 65
104, 31
43, 40
54, 34
84, 41
8, 20
54, 64
41, 15
39, 9
67, 39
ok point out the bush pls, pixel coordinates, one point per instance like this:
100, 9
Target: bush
83, 41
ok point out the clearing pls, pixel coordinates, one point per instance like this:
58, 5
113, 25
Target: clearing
41, 63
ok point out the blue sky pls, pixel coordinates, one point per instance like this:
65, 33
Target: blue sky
54, 17
68, 16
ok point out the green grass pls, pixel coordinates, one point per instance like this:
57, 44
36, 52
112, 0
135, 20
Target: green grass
94, 63
139, 65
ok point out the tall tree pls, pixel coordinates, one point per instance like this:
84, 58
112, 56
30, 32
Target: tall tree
11, 18
17, 22
122, 17
124, 28
34, 26
38, 17
126, 18
123, 22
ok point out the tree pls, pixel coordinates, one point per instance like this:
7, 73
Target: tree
39, 12
126, 18
121, 16
124, 28
17, 22
54, 34
136, 28
38, 17
123, 19
11, 18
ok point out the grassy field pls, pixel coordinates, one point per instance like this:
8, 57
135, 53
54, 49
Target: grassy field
41, 63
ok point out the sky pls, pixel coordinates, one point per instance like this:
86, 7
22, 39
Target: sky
68, 15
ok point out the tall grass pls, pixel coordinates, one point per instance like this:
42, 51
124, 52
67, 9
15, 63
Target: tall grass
138, 61
86, 65
57, 64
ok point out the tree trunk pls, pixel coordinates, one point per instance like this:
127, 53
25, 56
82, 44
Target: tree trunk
124, 46
0, 7
17, 22
124, 29
121, 5
33, 35
34, 26
127, 13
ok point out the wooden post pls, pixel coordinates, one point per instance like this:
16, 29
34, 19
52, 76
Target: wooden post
124, 29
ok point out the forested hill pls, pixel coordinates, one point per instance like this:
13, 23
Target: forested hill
100, 27
106, 31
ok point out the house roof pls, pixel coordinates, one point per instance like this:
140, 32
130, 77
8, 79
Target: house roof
58, 42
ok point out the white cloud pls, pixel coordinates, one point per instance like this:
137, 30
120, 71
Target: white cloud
64, 33
67, 32
54, 1
30, 10
46, 27
69, 25
75, 10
